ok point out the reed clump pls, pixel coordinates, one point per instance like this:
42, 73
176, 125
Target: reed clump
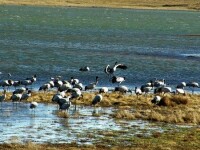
123, 114
173, 100
63, 114
17, 146
170, 115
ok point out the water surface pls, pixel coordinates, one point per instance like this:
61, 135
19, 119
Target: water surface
21, 124
50, 41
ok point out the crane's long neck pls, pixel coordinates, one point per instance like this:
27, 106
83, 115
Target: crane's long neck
96, 81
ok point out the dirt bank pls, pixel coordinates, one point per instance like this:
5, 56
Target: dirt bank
136, 4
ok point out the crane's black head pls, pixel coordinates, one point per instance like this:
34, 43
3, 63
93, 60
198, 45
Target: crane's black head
10, 82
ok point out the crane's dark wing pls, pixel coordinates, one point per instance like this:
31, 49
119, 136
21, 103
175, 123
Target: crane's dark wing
107, 69
121, 66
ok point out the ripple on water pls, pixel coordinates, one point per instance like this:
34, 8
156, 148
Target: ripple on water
21, 124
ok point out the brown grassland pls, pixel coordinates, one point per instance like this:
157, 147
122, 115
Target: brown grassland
175, 109
139, 4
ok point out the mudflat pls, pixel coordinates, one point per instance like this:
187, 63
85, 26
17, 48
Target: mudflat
136, 4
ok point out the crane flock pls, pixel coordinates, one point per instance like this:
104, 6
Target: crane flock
71, 89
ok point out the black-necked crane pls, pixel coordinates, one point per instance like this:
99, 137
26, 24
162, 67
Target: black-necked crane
56, 97
117, 79
51, 83
33, 106
92, 85
97, 99
146, 88
64, 103
26, 95
138, 91
156, 99
163, 90
159, 83
57, 82
3, 97
76, 94
16, 84
181, 85
110, 70
193, 85
74, 81
29, 81
26, 82
65, 87
6, 83
103, 90
79, 86
33, 78
16, 98
180, 91
20, 90
85, 68
45, 87
149, 84
63, 100
123, 89
65, 106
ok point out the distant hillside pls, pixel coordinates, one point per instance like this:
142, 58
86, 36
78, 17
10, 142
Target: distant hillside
144, 4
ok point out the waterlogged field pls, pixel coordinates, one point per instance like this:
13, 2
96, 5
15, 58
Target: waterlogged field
118, 121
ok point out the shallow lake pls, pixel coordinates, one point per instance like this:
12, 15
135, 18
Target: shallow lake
21, 124
51, 41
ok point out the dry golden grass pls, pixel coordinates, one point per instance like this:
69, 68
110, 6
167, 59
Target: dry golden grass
172, 101
124, 114
63, 114
145, 4
174, 109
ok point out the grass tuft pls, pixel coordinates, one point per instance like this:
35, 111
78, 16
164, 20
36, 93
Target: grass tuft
63, 114
123, 114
